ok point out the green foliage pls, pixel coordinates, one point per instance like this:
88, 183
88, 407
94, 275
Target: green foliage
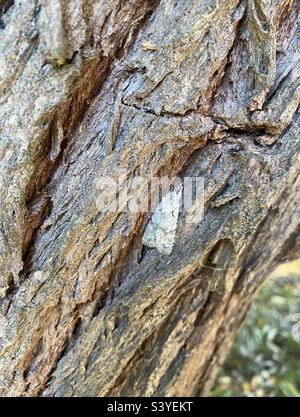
265, 358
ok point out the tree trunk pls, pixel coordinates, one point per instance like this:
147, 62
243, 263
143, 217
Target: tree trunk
172, 88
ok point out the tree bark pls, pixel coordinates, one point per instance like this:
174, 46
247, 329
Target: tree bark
172, 88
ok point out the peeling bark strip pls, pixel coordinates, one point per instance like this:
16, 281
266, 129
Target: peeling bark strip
157, 88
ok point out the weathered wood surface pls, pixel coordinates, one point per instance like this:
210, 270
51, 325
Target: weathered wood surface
188, 88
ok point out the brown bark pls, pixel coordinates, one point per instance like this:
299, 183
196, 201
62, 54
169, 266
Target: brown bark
187, 88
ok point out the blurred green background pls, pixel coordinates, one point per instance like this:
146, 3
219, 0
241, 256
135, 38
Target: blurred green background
265, 358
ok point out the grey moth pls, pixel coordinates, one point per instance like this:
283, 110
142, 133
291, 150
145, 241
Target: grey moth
160, 231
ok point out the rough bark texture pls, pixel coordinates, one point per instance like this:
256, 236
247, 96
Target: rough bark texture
190, 88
